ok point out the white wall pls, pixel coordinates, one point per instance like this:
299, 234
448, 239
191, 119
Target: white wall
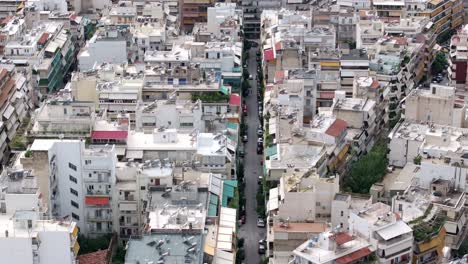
55, 247
112, 51
69, 152
16, 250
15, 202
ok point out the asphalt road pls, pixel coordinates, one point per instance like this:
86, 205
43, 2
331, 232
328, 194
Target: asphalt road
252, 169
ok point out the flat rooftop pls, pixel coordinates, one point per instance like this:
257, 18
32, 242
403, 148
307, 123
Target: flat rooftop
172, 248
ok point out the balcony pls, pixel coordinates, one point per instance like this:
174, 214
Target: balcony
102, 218
98, 192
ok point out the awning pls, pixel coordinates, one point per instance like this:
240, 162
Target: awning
397, 229
269, 54
7, 114
235, 100
134, 154
97, 200
109, 134
224, 89
356, 255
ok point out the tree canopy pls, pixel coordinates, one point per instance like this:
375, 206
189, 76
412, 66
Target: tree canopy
368, 170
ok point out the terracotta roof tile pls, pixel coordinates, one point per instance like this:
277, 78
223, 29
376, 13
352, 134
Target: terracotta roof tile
98, 257
336, 128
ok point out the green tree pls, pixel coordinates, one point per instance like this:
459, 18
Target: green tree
89, 245
368, 170
417, 160
440, 63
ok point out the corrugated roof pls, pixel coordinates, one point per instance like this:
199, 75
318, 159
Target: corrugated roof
213, 206
97, 200
336, 128
356, 255
271, 151
109, 134
43, 39
229, 187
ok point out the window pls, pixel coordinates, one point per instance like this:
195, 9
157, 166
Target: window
98, 226
74, 204
142, 188
400, 207
87, 162
73, 179
71, 166
75, 216
341, 213
73, 191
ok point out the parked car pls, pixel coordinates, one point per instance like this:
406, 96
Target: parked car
260, 222
259, 150
260, 179
254, 44
241, 152
262, 242
261, 249
245, 138
250, 77
260, 132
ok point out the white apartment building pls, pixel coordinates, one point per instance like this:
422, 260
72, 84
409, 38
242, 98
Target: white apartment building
81, 183
361, 118
47, 5
60, 115
436, 105
178, 114
108, 45
25, 236
392, 238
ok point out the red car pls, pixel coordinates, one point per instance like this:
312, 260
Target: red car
244, 109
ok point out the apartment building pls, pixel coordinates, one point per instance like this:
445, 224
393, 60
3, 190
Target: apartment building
15, 103
457, 70
391, 10
408, 140
108, 45
371, 88
360, 115
27, 235
343, 18
421, 105
397, 61
9, 7
353, 65
62, 116
387, 233
333, 247
81, 183
429, 231
285, 237
192, 11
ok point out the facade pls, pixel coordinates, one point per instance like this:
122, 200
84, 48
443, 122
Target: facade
81, 183
106, 46
27, 235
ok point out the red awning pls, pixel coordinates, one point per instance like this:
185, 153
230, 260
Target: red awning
327, 95
97, 200
235, 100
354, 256
279, 76
269, 55
109, 134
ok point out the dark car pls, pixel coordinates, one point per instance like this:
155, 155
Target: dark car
259, 150
261, 249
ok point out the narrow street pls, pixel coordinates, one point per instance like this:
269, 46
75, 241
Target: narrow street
252, 169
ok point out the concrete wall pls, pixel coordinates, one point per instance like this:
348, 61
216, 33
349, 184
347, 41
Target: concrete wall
55, 247
39, 163
113, 51
16, 250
